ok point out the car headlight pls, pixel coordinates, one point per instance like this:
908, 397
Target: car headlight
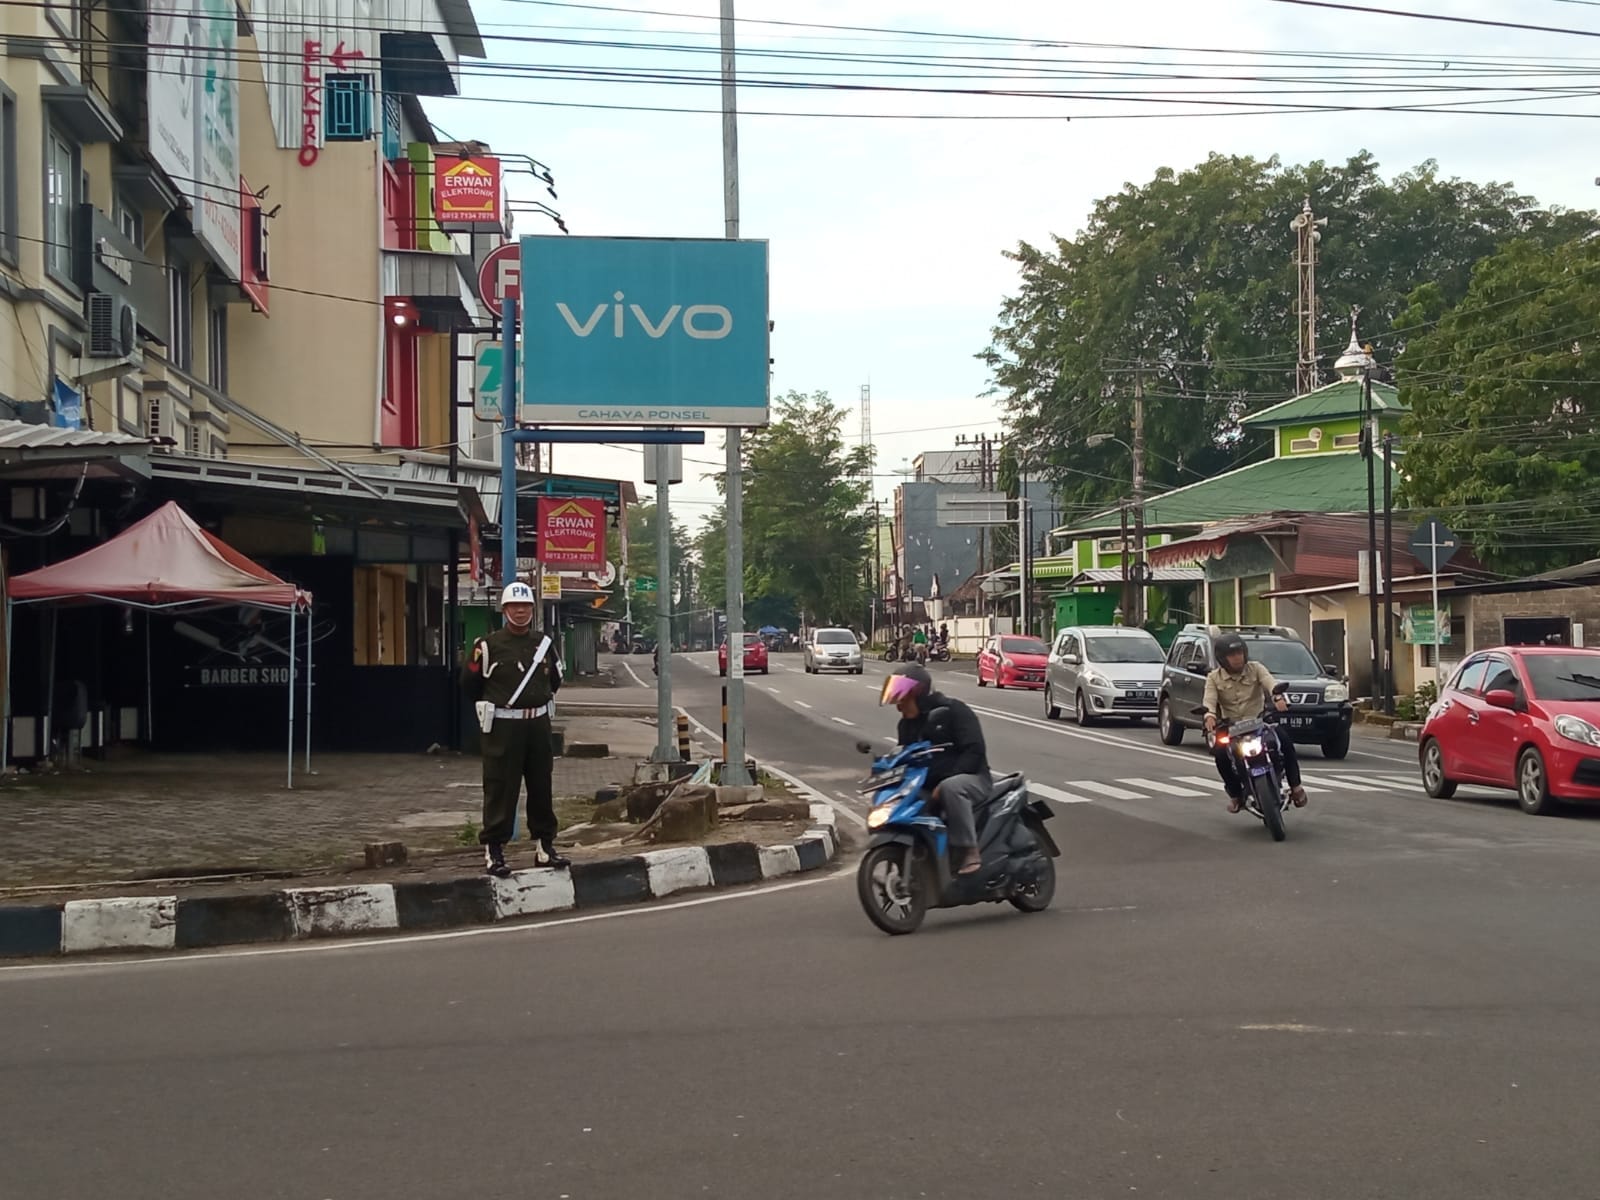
1094, 679
1576, 729
1006, 662
879, 816
1336, 693
1248, 747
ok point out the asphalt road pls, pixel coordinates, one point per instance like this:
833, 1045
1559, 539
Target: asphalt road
1399, 1001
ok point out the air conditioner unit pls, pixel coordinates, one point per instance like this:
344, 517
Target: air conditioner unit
113, 326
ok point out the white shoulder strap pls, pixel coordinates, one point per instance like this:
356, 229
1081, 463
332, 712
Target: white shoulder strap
538, 657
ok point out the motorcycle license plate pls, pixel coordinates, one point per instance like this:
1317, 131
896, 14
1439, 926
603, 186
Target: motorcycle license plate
1258, 770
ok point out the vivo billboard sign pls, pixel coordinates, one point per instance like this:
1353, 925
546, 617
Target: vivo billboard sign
644, 331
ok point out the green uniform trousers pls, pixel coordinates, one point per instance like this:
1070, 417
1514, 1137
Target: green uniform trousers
517, 752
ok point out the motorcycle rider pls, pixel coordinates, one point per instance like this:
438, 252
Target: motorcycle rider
1236, 690
959, 776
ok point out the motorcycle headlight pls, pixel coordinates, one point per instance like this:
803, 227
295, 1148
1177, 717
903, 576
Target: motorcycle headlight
1576, 729
1336, 693
879, 816
1248, 747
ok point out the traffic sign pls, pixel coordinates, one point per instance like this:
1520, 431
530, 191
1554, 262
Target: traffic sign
645, 583
488, 358
1432, 538
500, 276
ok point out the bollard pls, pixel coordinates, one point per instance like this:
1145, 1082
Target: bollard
683, 737
724, 722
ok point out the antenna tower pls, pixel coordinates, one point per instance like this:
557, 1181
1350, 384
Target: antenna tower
866, 424
1308, 232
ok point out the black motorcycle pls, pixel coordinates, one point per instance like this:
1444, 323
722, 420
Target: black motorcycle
1252, 749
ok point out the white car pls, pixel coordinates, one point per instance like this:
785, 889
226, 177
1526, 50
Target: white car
833, 650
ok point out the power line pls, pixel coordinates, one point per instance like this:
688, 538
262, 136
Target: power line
1423, 16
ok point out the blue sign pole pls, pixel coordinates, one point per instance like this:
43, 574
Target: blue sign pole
508, 446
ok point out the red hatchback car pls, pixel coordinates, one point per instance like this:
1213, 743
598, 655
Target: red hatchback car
1522, 717
1010, 661
755, 655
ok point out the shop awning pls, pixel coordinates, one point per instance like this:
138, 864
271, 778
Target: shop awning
1212, 541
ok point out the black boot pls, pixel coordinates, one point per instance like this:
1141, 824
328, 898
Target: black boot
494, 861
546, 855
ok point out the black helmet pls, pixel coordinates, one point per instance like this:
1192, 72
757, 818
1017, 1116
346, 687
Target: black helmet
1225, 644
907, 679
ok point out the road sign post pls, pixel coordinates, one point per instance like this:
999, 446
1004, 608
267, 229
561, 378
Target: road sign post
1435, 544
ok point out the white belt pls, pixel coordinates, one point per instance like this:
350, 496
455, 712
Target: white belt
520, 714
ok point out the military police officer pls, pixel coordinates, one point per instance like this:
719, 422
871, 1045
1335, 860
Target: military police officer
512, 675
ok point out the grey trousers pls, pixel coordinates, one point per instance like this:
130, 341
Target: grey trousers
959, 794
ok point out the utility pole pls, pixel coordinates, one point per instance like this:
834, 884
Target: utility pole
666, 731
733, 769
1374, 580
1138, 500
1024, 581
1388, 575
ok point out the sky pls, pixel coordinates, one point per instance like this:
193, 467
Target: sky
888, 227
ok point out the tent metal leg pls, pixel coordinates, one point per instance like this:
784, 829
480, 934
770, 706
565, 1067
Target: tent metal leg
149, 685
290, 780
5, 737
48, 717
310, 622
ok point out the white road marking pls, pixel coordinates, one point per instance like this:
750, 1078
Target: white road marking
892, 741
1106, 789
1334, 782
194, 957
842, 721
802, 704
1165, 786
1056, 794
628, 667
1401, 781
1211, 785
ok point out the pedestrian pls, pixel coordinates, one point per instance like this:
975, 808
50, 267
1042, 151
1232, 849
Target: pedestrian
512, 675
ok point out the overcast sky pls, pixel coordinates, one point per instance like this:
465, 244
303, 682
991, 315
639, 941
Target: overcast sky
887, 234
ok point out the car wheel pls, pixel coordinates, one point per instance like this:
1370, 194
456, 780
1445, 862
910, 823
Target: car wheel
1337, 746
1052, 710
1171, 731
999, 682
763, 670
1082, 711
1533, 785
1434, 781
980, 676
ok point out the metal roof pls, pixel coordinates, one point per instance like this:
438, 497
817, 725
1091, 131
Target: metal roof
20, 436
1341, 398
1157, 575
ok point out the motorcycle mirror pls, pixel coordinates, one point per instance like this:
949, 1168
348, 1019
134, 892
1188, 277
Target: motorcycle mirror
863, 747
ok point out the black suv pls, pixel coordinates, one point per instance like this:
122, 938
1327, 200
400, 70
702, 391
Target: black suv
1319, 702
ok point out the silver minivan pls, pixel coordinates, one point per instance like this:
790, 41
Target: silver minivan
832, 650
1103, 671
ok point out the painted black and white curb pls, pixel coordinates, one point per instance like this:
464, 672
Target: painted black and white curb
290, 914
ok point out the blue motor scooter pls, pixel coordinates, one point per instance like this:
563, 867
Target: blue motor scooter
906, 869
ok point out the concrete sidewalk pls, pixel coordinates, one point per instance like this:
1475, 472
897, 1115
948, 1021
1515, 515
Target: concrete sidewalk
150, 816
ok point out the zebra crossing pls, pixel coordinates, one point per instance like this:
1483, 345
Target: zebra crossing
1192, 787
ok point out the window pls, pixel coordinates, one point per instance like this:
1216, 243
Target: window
8, 175
1502, 675
1472, 675
392, 132
217, 347
130, 221
346, 108
1257, 610
1224, 604
127, 407
180, 311
62, 187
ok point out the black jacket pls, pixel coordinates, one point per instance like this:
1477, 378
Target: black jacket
967, 754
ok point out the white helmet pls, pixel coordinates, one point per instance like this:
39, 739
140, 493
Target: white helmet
516, 593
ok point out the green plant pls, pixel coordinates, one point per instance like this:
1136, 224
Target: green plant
467, 835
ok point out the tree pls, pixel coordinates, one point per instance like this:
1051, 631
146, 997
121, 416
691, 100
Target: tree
1504, 390
1185, 287
807, 529
643, 561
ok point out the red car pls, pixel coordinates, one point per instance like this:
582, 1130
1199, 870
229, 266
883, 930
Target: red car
1012, 661
1522, 717
755, 655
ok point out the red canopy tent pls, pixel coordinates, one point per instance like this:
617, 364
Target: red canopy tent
165, 563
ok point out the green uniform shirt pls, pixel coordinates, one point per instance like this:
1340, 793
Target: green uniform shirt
498, 662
